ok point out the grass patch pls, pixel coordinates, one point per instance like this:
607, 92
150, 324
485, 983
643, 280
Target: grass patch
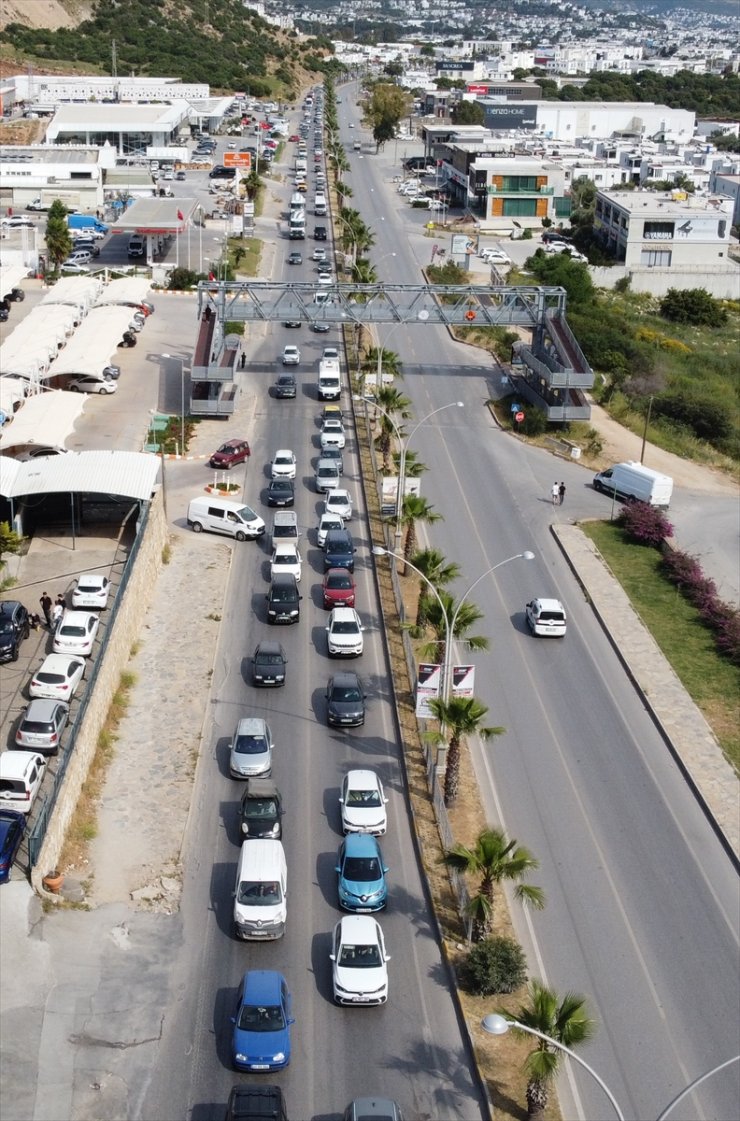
244, 255
710, 680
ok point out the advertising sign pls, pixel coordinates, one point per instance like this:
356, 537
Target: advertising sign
455, 64
463, 681
389, 488
462, 244
238, 159
477, 89
428, 684
508, 115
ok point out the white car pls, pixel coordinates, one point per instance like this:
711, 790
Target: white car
546, 618
57, 677
344, 633
339, 502
332, 434
91, 590
73, 267
291, 355
325, 278
330, 352
283, 464
16, 221
286, 558
359, 961
495, 257
318, 255
76, 633
88, 384
327, 522
363, 803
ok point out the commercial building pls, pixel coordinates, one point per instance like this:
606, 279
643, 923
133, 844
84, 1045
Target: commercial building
75, 173
666, 230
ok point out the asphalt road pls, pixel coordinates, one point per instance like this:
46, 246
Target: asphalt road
642, 902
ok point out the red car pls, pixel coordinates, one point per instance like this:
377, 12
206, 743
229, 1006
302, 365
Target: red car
294, 139
229, 454
338, 588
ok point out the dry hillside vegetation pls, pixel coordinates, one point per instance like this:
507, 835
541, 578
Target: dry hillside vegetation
44, 13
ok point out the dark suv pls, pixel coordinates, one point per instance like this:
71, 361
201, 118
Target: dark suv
285, 386
283, 599
14, 627
339, 550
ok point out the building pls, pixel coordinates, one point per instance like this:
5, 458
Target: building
569, 120
518, 191
75, 174
127, 128
728, 185
44, 92
666, 230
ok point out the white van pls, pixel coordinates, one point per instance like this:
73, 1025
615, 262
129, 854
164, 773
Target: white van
260, 893
329, 385
21, 775
319, 206
633, 482
222, 515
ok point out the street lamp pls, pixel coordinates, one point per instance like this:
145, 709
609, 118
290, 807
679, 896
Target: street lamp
176, 358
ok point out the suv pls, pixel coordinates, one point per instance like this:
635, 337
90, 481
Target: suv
339, 550
14, 627
319, 233
285, 386
283, 599
41, 726
230, 453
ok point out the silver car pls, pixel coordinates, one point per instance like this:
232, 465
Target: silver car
42, 725
251, 748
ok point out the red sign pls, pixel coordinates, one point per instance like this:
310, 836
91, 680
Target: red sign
238, 159
477, 89
519, 417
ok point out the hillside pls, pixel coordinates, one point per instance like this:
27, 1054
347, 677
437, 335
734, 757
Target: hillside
44, 13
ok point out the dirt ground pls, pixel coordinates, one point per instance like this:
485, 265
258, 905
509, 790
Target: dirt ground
43, 13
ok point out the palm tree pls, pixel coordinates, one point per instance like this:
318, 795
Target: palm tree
363, 272
390, 401
465, 615
390, 363
414, 509
494, 858
461, 717
438, 570
565, 1020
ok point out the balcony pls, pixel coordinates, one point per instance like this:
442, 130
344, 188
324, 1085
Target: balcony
523, 192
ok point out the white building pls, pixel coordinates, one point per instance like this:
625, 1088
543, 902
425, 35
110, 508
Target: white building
728, 185
26, 172
127, 128
569, 120
46, 91
671, 230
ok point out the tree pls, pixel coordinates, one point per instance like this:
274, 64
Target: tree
494, 858
563, 1019
467, 615
495, 965
694, 306
461, 717
414, 509
468, 113
390, 401
58, 239
439, 571
387, 104
11, 543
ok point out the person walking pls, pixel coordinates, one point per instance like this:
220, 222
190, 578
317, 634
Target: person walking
45, 602
56, 614
561, 493
555, 492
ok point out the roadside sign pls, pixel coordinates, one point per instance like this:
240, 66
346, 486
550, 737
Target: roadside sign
428, 685
238, 159
515, 407
463, 681
519, 418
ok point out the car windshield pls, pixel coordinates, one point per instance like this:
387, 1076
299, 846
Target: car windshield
259, 893
284, 459
247, 514
281, 485
361, 869
344, 626
282, 595
261, 808
70, 631
47, 678
227, 449
254, 1017
285, 558
359, 957
366, 798
269, 659
6, 627
346, 693
339, 582
250, 745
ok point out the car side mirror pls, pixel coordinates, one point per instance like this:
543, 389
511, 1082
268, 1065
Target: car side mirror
333, 957
337, 869
386, 869
326, 629
233, 1019
291, 1019
385, 799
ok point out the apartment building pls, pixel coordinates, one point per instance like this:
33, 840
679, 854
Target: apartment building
665, 230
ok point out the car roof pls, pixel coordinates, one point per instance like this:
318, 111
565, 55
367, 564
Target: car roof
549, 604
283, 451
92, 578
359, 928
361, 777
360, 844
261, 788
251, 726
52, 661
269, 646
345, 677
340, 490
338, 537
15, 763
42, 709
79, 617
262, 985
285, 547
366, 1108
340, 613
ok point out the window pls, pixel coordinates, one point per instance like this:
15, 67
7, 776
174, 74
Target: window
656, 258
520, 208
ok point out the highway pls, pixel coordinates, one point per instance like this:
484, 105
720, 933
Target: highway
642, 911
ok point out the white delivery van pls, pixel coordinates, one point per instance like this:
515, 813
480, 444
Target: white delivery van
223, 515
301, 164
260, 893
297, 201
329, 384
319, 206
632, 482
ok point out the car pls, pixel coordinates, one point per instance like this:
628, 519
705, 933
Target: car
327, 522
344, 633
262, 1020
112, 371
327, 475
230, 454
554, 235
546, 618
363, 803
318, 255
319, 233
554, 246
16, 221
268, 663
291, 355
250, 750
78, 257
295, 258
320, 328
332, 434
338, 588
14, 627
285, 386
283, 464
339, 550
261, 810
57, 677
325, 279
180, 176
286, 558
76, 633
280, 492
12, 832
345, 702
339, 502
333, 353
41, 726
324, 267
495, 257
85, 245
88, 384
74, 268
358, 957
361, 873
294, 139
335, 455
372, 1109
91, 590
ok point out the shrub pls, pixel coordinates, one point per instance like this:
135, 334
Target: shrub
534, 423
496, 965
645, 524
727, 638
692, 305
680, 568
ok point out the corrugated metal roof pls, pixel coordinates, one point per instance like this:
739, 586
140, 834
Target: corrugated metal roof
45, 421
129, 474
155, 215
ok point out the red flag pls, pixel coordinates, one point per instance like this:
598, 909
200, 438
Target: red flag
180, 216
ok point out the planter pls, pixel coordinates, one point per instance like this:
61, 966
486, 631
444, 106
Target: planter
225, 491
53, 882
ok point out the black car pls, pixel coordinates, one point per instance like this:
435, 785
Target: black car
281, 492
285, 386
261, 810
14, 627
319, 233
323, 267
283, 599
295, 258
4, 311
249, 1102
268, 664
345, 700
12, 830
320, 328
339, 550
292, 323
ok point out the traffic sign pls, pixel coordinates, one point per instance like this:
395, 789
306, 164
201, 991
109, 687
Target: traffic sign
238, 159
519, 418
515, 407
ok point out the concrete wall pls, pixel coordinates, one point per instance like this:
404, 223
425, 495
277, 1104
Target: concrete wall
723, 284
129, 619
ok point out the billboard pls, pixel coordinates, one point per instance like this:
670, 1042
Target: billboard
506, 115
455, 64
463, 681
238, 159
428, 685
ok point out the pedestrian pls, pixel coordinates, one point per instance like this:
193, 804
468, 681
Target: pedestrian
34, 620
243, 360
45, 602
555, 492
561, 492
56, 615
60, 600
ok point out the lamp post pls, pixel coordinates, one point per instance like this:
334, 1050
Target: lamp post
645, 429
176, 358
499, 1025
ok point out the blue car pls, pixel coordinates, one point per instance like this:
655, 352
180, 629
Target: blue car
361, 874
12, 831
261, 1037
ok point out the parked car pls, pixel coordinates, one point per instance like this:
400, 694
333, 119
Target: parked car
57, 677
21, 775
345, 702
91, 590
41, 726
262, 1019
359, 961
16, 221
251, 748
363, 803
338, 588
14, 627
261, 810
86, 383
12, 831
76, 633
283, 464
344, 633
230, 454
285, 386
268, 663
361, 873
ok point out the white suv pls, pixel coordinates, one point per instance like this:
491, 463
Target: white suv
344, 632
